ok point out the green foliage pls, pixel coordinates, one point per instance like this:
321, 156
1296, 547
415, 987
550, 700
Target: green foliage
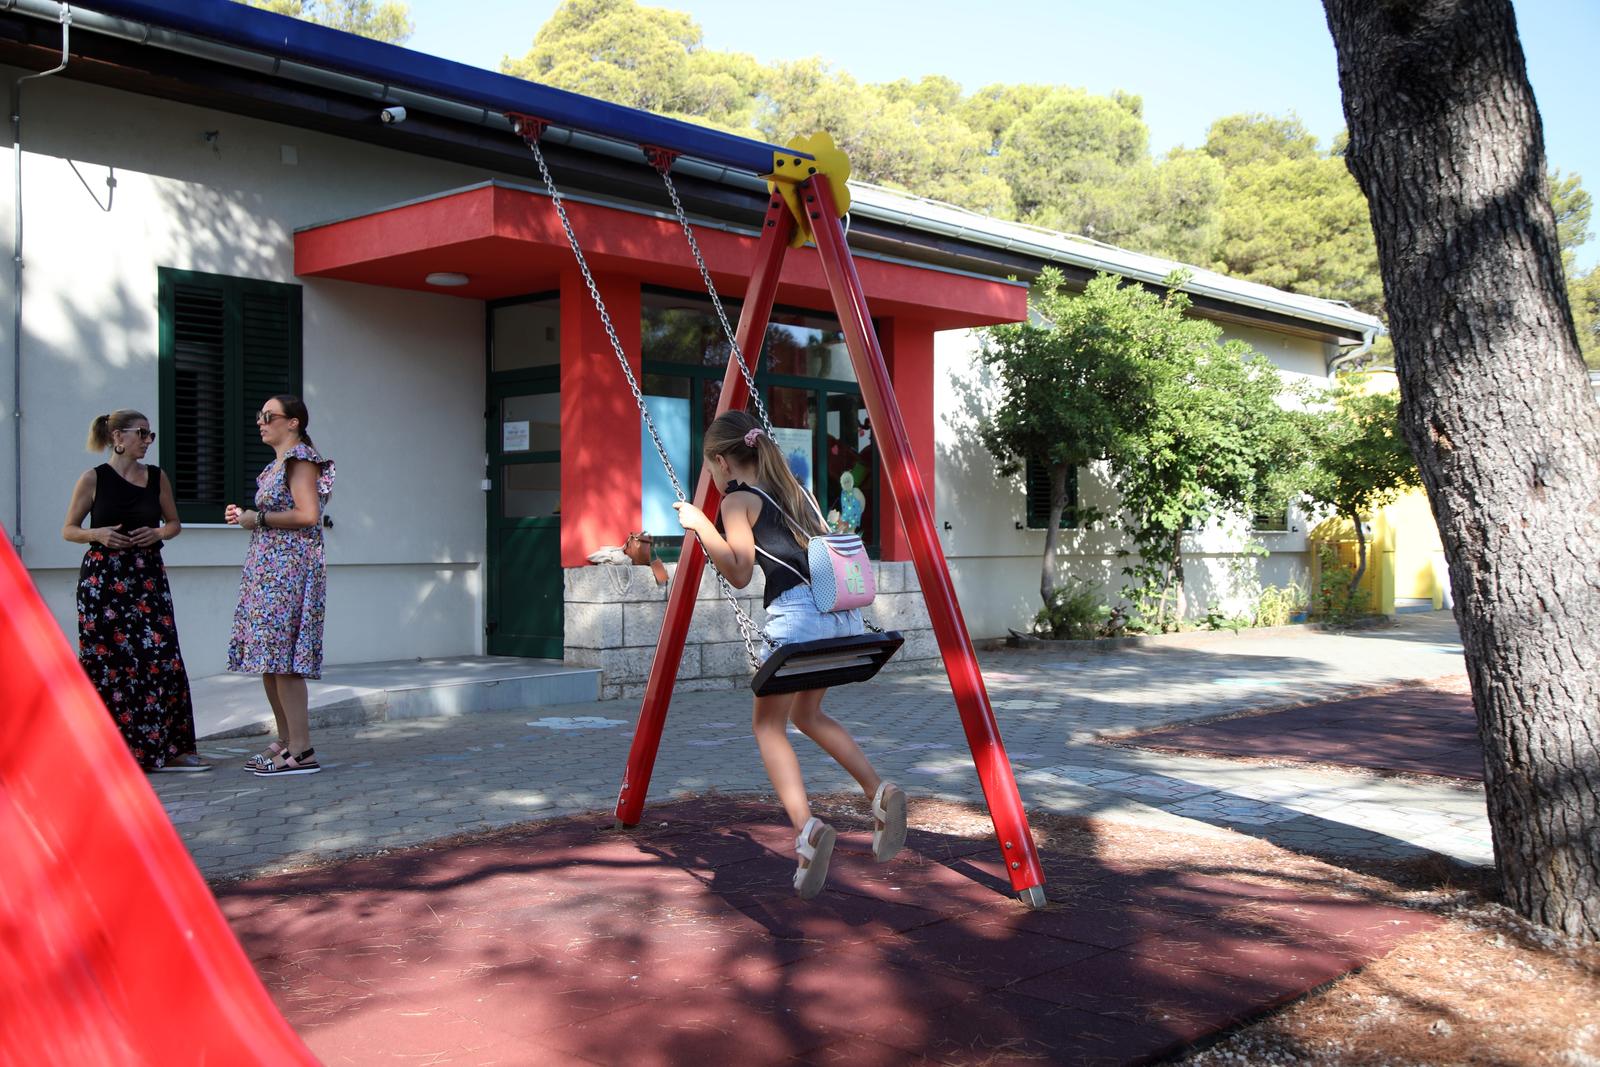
1216, 619
1190, 426
1207, 440
1360, 461
1072, 613
1583, 292
642, 57
1260, 200
1290, 216
1573, 207
1277, 604
388, 20
1063, 380
1337, 599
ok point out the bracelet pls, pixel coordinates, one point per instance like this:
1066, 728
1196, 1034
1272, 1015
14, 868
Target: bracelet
261, 520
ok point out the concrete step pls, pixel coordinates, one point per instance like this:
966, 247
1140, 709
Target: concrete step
235, 705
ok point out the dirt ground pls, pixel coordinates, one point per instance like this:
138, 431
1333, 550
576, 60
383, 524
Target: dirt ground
1484, 987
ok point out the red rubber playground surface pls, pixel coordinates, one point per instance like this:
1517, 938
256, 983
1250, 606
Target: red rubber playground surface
682, 943
1416, 730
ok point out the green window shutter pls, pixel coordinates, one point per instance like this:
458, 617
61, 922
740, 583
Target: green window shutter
1038, 481
226, 345
269, 364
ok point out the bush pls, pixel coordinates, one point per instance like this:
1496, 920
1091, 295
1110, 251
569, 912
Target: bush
1216, 620
1332, 601
1074, 612
1277, 604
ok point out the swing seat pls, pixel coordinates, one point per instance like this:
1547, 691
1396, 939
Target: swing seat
826, 663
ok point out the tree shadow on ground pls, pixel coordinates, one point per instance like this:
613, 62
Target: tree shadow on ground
682, 941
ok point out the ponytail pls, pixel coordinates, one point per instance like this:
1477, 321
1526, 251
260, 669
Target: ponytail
726, 436
101, 427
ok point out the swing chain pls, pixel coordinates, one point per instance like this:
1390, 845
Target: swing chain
663, 167
747, 628
716, 302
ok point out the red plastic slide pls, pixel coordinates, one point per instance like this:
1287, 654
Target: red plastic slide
112, 950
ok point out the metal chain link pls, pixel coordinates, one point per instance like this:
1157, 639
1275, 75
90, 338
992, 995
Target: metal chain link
748, 630
716, 302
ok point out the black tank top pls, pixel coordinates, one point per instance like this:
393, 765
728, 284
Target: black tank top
118, 502
773, 534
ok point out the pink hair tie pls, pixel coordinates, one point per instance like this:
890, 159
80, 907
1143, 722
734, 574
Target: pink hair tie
750, 438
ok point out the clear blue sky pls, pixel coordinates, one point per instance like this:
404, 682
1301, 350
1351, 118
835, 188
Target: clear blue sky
1192, 62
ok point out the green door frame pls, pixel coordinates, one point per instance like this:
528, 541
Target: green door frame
533, 381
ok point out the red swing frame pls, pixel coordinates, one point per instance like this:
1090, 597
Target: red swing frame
1017, 848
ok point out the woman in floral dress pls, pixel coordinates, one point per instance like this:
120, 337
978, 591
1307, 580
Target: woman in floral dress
277, 629
127, 637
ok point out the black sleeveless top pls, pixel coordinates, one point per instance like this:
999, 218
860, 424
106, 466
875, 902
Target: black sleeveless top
773, 534
118, 502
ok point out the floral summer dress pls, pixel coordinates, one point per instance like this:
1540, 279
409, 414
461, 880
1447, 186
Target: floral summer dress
127, 637
277, 628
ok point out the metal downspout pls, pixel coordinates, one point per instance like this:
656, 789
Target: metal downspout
16, 271
1369, 337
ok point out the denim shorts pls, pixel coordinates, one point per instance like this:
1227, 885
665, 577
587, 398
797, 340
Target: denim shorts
793, 616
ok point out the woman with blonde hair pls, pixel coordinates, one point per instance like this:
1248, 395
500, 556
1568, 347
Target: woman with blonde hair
127, 636
767, 517
277, 628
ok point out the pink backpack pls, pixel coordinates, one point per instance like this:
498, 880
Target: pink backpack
841, 573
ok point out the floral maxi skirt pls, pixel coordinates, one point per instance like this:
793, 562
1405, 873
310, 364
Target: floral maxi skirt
128, 646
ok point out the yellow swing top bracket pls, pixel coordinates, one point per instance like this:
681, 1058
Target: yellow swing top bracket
789, 170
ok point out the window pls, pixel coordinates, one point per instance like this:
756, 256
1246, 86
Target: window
226, 346
809, 387
1272, 521
1038, 478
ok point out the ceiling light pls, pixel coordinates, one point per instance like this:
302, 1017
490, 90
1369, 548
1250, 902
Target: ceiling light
446, 277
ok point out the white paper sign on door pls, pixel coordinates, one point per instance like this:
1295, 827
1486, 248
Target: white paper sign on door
514, 436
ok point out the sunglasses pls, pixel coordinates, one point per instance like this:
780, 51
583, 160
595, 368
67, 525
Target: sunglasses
144, 434
266, 417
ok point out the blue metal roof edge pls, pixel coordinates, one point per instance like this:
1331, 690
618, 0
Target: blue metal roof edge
320, 46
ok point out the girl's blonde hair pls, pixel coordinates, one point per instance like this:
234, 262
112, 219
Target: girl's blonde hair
103, 426
726, 436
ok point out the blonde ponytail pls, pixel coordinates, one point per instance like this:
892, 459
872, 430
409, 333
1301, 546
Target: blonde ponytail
727, 436
101, 427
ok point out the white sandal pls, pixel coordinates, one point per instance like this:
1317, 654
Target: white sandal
813, 857
889, 830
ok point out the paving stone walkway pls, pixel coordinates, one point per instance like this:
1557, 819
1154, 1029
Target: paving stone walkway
397, 783
681, 943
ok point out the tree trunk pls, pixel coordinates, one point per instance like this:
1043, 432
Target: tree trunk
1445, 141
1052, 533
1361, 561
1180, 598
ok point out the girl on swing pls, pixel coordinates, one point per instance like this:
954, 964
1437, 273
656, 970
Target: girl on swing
767, 518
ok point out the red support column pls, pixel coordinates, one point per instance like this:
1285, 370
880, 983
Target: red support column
961, 662
600, 455
757, 309
908, 353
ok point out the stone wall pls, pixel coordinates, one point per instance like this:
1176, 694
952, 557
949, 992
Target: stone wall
614, 614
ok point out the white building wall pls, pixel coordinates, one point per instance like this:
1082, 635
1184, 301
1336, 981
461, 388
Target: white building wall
394, 380
995, 560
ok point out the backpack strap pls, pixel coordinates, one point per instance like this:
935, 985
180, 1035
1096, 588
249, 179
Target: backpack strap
764, 495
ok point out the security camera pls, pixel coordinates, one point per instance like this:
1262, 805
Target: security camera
393, 114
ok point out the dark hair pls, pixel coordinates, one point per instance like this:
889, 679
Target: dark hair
103, 426
295, 408
726, 437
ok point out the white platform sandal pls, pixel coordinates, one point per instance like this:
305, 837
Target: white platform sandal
889, 828
813, 857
